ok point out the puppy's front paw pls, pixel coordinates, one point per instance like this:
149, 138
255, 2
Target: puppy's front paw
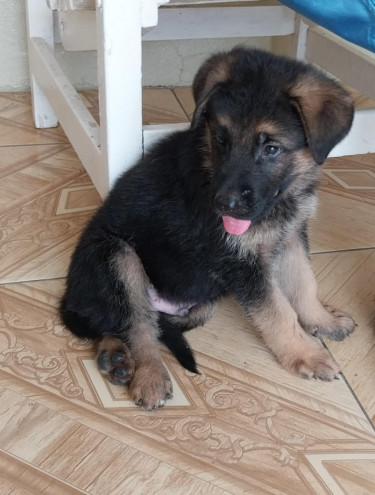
339, 325
318, 364
151, 386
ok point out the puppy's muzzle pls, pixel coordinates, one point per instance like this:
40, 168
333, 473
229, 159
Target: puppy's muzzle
233, 201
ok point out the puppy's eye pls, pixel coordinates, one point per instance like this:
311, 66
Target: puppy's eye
271, 150
220, 139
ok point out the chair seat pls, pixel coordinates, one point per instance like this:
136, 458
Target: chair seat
68, 5
353, 20
77, 18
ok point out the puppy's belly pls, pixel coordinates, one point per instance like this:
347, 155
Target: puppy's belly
169, 307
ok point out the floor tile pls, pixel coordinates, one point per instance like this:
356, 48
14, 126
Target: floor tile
360, 100
46, 199
346, 210
38, 237
17, 125
161, 107
185, 97
346, 281
246, 424
243, 425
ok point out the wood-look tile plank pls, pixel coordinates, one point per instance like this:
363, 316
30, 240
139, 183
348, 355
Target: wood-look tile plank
29, 171
360, 101
341, 224
92, 465
15, 158
17, 125
18, 477
27, 429
131, 470
346, 281
160, 106
62, 457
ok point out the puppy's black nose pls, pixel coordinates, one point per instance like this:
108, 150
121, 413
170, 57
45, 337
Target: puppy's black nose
230, 200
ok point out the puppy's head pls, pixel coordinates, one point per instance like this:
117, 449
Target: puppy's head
269, 122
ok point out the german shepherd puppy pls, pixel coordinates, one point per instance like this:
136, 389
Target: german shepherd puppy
220, 208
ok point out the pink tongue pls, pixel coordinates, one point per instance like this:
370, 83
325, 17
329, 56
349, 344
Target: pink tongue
235, 226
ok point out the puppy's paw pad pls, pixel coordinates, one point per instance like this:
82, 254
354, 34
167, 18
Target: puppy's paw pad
116, 364
151, 387
319, 365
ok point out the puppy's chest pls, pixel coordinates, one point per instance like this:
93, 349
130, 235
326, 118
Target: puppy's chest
268, 237
257, 241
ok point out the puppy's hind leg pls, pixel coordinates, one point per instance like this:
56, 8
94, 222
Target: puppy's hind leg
115, 361
134, 355
172, 328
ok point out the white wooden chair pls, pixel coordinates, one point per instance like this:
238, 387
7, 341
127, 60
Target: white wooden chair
116, 28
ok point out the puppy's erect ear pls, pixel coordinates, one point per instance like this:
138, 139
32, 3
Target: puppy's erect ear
326, 111
215, 71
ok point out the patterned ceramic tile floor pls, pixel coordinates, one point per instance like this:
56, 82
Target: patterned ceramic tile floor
243, 426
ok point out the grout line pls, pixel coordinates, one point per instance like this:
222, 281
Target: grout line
358, 401
7, 284
313, 253
180, 104
63, 143
350, 389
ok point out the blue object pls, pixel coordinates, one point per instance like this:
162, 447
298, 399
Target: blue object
353, 20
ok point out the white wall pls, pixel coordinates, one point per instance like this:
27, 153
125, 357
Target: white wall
165, 63
174, 63
13, 57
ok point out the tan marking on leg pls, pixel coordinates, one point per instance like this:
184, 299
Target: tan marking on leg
295, 350
131, 273
297, 281
151, 385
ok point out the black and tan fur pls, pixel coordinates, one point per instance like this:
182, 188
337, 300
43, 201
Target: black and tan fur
262, 127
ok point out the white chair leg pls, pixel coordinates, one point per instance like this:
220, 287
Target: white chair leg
40, 25
300, 38
120, 84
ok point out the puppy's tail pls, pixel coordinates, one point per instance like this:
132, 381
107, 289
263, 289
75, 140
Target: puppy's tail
172, 337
